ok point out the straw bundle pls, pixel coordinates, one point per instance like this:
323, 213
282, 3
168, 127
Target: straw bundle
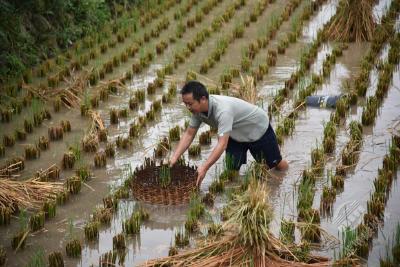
29, 194
353, 21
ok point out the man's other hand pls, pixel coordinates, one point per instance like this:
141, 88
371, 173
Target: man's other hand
201, 173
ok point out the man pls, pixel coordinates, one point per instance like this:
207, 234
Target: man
241, 126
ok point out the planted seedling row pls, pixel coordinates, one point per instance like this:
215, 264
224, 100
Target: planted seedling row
350, 152
361, 237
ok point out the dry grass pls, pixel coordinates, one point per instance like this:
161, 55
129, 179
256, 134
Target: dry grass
353, 21
29, 194
246, 90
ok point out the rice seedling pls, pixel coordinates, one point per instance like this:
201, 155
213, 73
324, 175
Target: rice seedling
133, 103
110, 150
74, 184
328, 197
100, 159
73, 248
317, 158
5, 215
28, 126
56, 259
36, 221
19, 239
8, 141
102, 135
150, 115
208, 199
286, 233
132, 225
91, 230
32, 152
103, 215
194, 150
68, 160
83, 172
119, 242
114, 116
62, 197
37, 259
121, 193
217, 186
164, 176
66, 125
181, 239
3, 256
49, 208
205, 138
55, 133
172, 251
6, 115
140, 95
20, 134
306, 195
342, 106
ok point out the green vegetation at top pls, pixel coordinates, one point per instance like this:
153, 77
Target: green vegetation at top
34, 30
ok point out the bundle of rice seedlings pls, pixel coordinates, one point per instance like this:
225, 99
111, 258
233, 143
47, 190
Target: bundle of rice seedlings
110, 150
74, 184
103, 215
90, 142
68, 160
73, 248
353, 21
92, 231
194, 150
49, 208
100, 159
56, 259
32, 152
43, 143
3, 256
119, 242
181, 239
108, 259
205, 138
36, 222
132, 225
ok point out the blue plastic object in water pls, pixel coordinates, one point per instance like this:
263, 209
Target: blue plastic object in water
322, 101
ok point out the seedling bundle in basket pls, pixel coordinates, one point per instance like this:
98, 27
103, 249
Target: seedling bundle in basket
161, 184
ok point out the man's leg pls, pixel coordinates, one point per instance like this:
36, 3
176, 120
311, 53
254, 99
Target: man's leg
237, 152
267, 149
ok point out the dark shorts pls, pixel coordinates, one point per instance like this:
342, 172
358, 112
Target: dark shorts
265, 149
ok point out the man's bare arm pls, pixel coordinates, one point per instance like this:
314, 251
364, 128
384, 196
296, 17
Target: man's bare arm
215, 155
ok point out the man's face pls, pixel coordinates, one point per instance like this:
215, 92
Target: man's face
192, 105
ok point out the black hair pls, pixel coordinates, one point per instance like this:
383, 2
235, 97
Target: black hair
196, 88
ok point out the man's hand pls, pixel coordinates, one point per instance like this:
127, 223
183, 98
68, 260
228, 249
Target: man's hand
171, 161
201, 173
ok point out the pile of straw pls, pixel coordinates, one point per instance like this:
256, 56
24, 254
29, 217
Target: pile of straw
353, 21
29, 194
247, 239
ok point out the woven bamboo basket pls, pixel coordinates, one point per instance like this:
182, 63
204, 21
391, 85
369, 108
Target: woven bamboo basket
146, 185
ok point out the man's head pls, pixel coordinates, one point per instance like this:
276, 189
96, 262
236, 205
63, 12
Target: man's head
195, 96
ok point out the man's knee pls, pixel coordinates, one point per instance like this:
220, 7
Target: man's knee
283, 165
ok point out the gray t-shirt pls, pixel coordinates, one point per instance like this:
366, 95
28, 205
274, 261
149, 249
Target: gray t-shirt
244, 122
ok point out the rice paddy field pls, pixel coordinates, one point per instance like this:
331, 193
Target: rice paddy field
77, 128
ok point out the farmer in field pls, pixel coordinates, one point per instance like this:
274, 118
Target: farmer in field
241, 126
